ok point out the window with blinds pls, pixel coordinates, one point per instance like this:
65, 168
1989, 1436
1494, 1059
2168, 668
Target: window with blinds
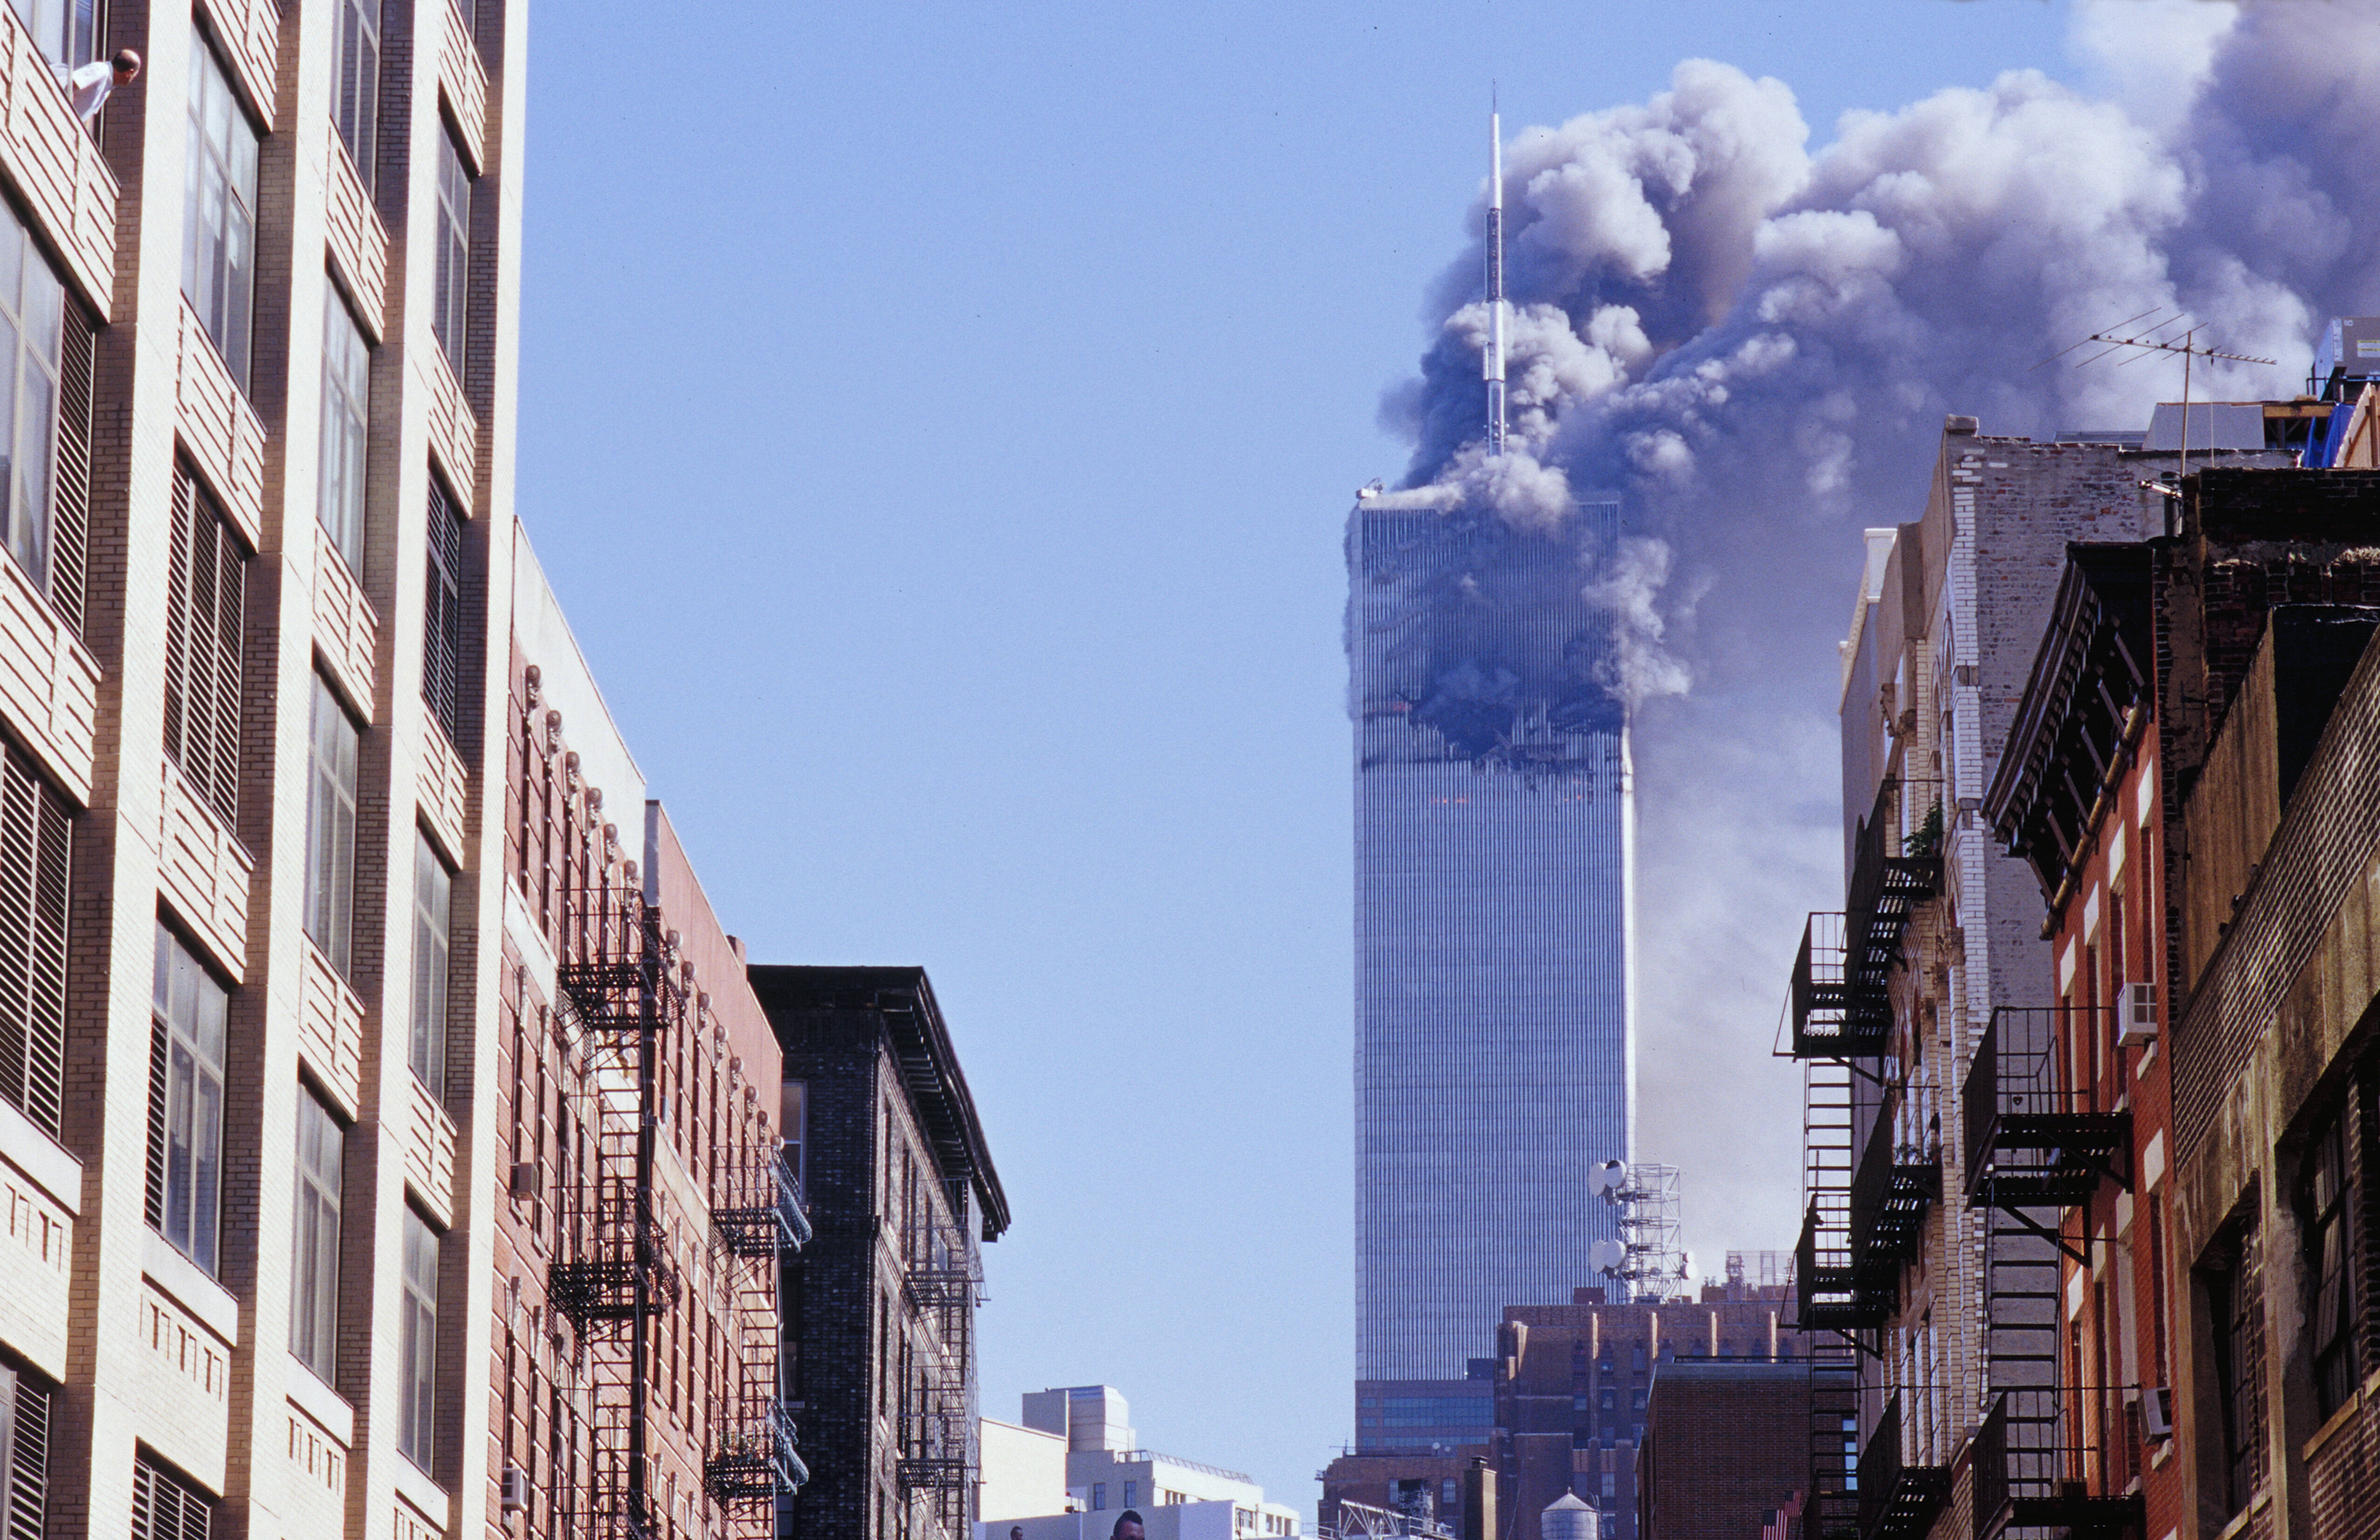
36, 830
46, 340
442, 644
163, 1508
205, 593
24, 1454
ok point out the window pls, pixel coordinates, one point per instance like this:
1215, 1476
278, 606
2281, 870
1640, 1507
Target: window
66, 31
2328, 1197
1099, 1496
330, 828
792, 1115
36, 830
355, 81
185, 1090
454, 251
219, 209
2235, 1296
24, 1452
346, 392
45, 356
314, 1271
163, 1508
441, 635
418, 1415
205, 592
1132, 1494
434, 889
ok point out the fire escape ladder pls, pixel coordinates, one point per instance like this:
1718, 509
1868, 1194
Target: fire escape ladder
2053, 1463
755, 1458
1831, 1290
1832, 1512
1840, 1002
941, 1279
613, 1278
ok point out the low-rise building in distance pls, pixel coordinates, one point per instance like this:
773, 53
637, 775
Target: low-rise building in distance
1106, 1474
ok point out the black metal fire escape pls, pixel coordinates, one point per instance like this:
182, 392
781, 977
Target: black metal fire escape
2051, 1458
758, 1220
938, 1456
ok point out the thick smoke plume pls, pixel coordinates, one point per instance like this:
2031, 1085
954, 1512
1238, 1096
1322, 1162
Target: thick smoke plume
1756, 345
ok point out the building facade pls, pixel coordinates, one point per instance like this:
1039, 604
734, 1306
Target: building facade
1725, 1443
879, 1309
1494, 1066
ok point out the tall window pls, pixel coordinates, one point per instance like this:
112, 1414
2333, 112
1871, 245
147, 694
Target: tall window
66, 31
354, 80
346, 392
2329, 1206
163, 1508
418, 1416
36, 832
331, 751
32, 324
442, 635
2235, 1293
204, 593
454, 250
219, 209
433, 889
793, 1123
24, 1452
314, 1261
185, 1092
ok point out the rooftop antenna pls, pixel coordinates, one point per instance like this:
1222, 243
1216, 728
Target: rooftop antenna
2147, 341
1491, 366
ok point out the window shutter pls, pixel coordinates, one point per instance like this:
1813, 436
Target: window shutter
157, 1125
206, 593
231, 596
177, 630
16, 924
34, 830
70, 514
29, 1462
441, 663
162, 1508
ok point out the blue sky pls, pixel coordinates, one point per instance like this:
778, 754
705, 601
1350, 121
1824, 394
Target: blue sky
938, 422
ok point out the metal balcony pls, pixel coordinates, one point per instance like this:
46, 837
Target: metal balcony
1896, 1500
2056, 1461
1891, 1189
762, 1212
1831, 1289
2033, 1142
763, 1466
1838, 1012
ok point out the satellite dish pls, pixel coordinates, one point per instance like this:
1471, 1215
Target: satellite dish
1609, 1178
1685, 1263
1605, 1256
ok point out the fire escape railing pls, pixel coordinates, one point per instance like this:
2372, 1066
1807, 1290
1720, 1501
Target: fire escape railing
2033, 1140
1840, 1000
942, 1279
758, 1220
2058, 1459
1898, 1501
1894, 1186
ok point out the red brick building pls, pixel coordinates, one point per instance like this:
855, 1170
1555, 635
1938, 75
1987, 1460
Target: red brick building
1727, 1442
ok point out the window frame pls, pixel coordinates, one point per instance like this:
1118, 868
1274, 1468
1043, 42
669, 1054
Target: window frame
417, 1346
450, 304
314, 1237
2236, 1299
341, 488
2327, 1198
433, 959
220, 280
333, 798
186, 1188
355, 93
206, 626
443, 637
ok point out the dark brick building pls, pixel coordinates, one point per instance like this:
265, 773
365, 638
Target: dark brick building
1725, 1443
878, 1310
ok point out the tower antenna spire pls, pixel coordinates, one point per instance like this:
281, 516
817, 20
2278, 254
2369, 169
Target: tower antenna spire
1492, 365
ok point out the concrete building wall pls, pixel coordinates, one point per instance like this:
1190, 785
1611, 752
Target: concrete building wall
1024, 1471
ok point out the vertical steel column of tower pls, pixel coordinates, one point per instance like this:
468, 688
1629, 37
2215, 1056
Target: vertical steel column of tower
1492, 363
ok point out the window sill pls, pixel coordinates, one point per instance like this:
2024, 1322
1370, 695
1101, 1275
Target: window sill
188, 1285
415, 1488
41, 1157
310, 1394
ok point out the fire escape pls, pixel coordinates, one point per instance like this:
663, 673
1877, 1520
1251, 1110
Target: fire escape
942, 1276
2049, 1455
1864, 1199
758, 1220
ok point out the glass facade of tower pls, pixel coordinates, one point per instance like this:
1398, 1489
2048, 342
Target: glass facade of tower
1494, 1062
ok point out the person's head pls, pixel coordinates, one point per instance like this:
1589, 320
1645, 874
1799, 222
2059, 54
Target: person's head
1127, 1526
127, 65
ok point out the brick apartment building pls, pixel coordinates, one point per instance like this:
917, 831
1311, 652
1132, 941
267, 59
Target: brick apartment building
879, 1356
1727, 1441
333, 1001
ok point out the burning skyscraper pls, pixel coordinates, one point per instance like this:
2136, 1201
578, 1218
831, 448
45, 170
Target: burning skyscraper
1493, 1049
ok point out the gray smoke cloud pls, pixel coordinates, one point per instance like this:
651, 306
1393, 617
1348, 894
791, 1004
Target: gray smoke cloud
1755, 344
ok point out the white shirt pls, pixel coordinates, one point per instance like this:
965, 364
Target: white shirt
88, 88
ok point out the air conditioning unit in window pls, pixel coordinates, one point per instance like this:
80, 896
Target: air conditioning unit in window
2137, 1027
2156, 1412
524, 1179
516, 1489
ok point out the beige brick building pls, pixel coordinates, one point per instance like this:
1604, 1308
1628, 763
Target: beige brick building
305, 1115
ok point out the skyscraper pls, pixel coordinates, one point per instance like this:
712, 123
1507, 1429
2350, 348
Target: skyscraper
1494, 1058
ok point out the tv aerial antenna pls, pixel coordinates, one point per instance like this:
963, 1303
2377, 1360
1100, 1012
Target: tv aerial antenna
2147, 337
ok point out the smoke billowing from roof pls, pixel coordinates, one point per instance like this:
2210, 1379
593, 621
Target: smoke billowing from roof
1755, 344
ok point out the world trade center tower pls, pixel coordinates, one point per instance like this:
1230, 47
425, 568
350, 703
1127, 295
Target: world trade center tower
1494, 1051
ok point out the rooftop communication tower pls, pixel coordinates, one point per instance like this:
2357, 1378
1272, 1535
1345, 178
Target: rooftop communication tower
1491, 365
